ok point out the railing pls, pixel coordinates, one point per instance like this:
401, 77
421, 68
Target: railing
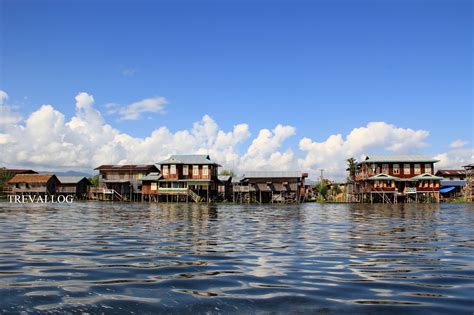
194, 196
241, 188
166, 190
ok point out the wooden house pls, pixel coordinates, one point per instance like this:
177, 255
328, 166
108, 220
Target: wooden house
121, 182
392, 178
270, 187
150, 186
188, 177
33, 184
453, 183
78, 186
224, 188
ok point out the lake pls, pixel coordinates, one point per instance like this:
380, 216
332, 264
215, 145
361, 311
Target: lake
188, 258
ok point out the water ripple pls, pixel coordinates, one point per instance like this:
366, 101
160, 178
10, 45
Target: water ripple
122, 258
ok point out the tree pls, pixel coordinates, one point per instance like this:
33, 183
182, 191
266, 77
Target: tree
94, 180
322, 189
227, 173
351, 168
5, 176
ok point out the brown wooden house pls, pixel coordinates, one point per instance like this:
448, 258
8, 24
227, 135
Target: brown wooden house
270, 187
33, 184
392, 178
188, 177
121, 182
73, 185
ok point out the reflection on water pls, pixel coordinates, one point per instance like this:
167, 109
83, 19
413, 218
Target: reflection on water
116, 258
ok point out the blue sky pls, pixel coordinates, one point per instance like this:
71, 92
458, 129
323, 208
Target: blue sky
324, 67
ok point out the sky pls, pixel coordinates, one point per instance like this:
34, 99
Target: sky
256, 84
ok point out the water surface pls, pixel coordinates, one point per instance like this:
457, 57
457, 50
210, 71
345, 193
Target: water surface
310, 258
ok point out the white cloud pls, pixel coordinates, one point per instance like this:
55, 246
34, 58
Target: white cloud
8, 115
458, 143
332, 153
47, 140
455, 159
135, 110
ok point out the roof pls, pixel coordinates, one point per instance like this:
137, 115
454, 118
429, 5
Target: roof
459, 183
71, 179
381, 158
189, 159
382, 177
18, 171
450, 172
128, 167
152, 176
31, 178
426, 176
469, 166
224, 178
273, 174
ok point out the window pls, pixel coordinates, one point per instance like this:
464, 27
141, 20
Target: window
385, 168
396, 169
417, 169
205, 170
428, 168
173, 169
165, 170
154, 186
406, 169
195, 170
185, 170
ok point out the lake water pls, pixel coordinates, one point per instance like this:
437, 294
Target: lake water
309, 258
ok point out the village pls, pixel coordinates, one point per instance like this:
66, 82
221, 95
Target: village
388, 178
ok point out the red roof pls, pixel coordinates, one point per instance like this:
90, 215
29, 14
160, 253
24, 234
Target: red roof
31, 178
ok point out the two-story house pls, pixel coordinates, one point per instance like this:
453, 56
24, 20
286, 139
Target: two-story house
396, 178
185, 177
121, 182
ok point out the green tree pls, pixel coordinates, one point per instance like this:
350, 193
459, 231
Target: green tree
5, 176
227, 173
322, 189
351, 168
94, 180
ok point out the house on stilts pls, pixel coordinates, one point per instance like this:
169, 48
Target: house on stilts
183, 178
270, 187
395, 178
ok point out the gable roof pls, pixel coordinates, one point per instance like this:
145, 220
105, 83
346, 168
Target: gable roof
128, 167
426, 176
381, 158
273, 174
189, 159
450, 172
72, 179
31, 178
382, 176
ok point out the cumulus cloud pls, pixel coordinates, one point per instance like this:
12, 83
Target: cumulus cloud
331, 153
47, 140
458, 143
135, 110
455, 158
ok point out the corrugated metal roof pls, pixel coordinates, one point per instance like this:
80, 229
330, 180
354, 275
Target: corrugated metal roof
458, 183
30, 178
188, 159
273, 174
450, 172
129, 167
71, 179
152, 176
380, 158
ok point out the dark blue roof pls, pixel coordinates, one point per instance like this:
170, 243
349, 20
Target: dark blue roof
456, 183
